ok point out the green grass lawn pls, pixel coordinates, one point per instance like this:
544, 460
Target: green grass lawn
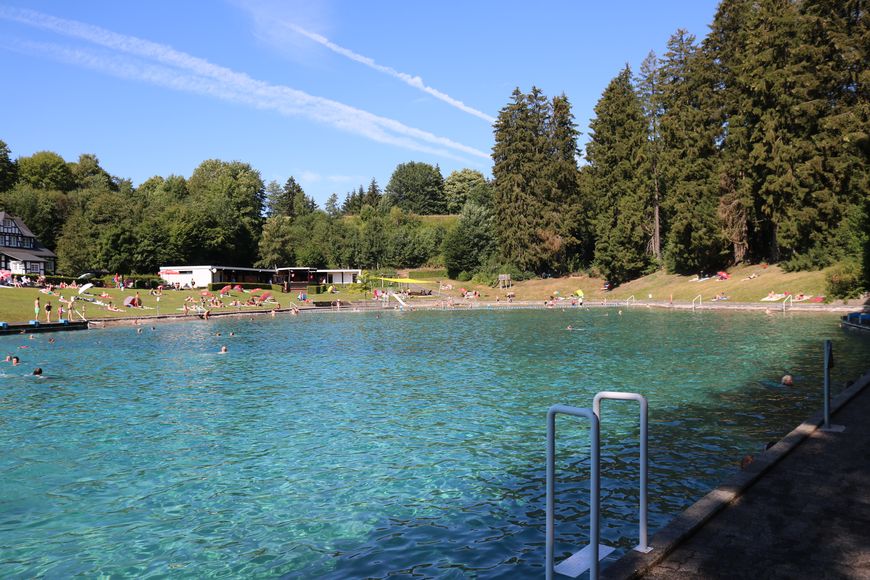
16, 304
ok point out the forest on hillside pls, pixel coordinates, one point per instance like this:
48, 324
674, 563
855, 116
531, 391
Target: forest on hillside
751, 145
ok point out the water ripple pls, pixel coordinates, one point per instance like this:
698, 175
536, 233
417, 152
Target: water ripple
410, 444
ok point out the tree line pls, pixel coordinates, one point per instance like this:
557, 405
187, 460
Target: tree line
749, 146
223, 214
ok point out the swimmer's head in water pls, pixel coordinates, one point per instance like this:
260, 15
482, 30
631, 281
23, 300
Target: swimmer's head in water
37, 371
787, 380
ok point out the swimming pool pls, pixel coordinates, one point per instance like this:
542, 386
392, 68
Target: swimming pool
358, 445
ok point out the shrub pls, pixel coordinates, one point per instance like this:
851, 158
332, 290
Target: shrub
463, 276
59, 279
428, 274
843, 280
246, 286
486, 279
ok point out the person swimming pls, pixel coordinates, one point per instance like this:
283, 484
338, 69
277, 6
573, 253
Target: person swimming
787, 380
223, 350
37, 371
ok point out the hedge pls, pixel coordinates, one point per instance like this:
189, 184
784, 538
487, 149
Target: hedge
428, 274
140, 281
246, 286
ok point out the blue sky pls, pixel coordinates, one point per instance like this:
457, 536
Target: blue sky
333, 92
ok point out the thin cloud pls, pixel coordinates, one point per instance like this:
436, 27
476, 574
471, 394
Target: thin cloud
414, 81
310, 177
185, 72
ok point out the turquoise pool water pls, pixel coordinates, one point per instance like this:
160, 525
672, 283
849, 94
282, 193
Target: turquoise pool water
357, 445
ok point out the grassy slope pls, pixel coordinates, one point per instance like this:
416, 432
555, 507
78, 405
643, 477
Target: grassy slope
16, 305
661, 286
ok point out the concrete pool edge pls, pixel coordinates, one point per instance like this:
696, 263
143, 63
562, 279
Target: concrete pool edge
683, 526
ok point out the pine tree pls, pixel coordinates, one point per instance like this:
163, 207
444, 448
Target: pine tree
525, 192
373, 194
695, 240
720, 54
567, 209
513, 203
8, 168
332, 208
649, 91
619, 132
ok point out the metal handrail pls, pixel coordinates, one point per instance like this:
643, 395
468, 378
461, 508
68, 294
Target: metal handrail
588, 557
643, 546
787, 299
630, 299
828, 364
700, 300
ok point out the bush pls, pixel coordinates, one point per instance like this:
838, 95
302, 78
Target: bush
844, 280
61, 279
494, 267
140, 281
246, 286
428, 274
463, 276
486, 279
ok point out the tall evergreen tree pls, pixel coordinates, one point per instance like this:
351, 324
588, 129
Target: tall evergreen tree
332, 208
649, 91
524, 190
694, 237
373, 194
567, 208
619, 133
8, 168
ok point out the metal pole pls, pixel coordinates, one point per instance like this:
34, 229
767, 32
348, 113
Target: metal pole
594, 486
829, 359
827, 385
551, 489
643, 546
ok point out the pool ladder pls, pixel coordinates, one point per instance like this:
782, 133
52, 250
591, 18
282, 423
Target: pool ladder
587, 558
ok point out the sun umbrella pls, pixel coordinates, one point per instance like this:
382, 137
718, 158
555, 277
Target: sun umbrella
85, 288
86, 276
128, 301
4, 274
206, 293
226, 289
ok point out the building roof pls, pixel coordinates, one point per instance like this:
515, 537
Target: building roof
27, 256
236, 268
38, 253
22, 227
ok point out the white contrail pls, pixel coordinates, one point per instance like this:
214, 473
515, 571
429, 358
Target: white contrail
414, 81
206, 78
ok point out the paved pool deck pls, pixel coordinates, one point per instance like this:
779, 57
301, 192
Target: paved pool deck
800, 510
